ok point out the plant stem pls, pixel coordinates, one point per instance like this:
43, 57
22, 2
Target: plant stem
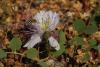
15, 53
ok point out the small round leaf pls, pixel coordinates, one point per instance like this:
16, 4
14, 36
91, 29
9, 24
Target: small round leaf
92, 42
31, 53
3, 54
15, 44
79, 25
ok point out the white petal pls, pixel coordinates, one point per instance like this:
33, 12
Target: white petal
48, 18
33, 41
54, 20
54, 43
40, 17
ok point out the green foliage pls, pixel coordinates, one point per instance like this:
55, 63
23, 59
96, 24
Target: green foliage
91, 28
62, 38
94, 20
43, 64
15, 44
78, 40
79, 25
62, 41
32, 53
3, 54
59, 52
92, 42
86, 57
98, 47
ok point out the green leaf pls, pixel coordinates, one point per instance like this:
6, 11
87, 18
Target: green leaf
59, 52
98, 47
86, 57
62, 41
91, 28
78, 40
79, 25
32, 53
62, 38
15, 44
92, 42
3, 54
43, 64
